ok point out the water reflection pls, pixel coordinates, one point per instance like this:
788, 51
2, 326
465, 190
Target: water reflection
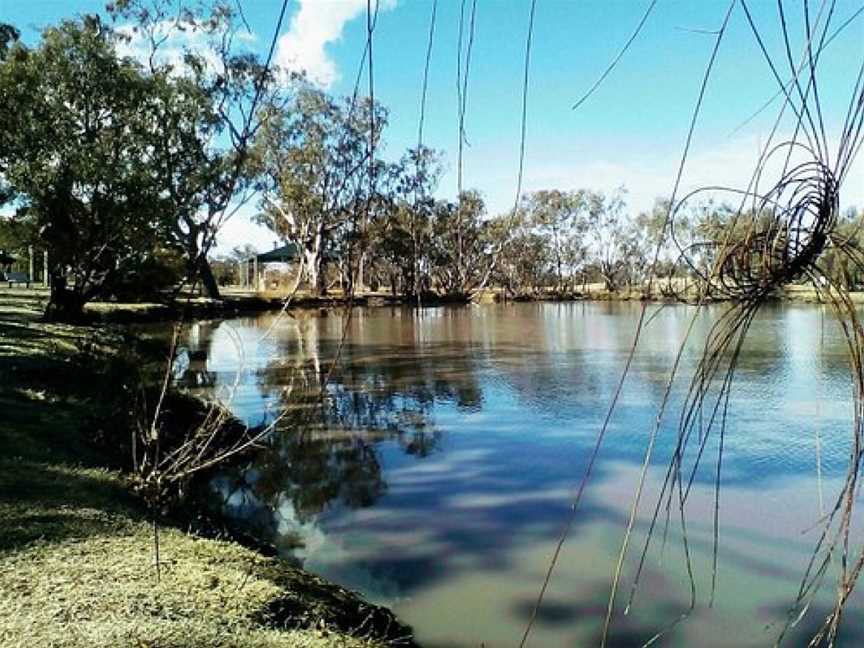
434, 468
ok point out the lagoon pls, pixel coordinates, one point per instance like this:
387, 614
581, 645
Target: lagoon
435, 471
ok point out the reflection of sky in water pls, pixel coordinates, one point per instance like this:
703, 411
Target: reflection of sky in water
436, 473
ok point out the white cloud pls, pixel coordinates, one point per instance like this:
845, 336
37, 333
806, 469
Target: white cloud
172, 44
317, 24
240, 230
730, 164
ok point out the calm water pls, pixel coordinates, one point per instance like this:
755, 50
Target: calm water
435, 473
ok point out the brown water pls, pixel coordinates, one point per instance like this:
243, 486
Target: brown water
436, 472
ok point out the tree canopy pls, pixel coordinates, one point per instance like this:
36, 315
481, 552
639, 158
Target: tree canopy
78, 133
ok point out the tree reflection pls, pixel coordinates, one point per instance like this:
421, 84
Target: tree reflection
327, 447
190, 367
325, 451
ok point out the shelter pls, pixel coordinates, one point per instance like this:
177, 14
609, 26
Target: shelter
7, 261
287, 253
284, 254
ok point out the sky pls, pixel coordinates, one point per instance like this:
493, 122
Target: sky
630, 133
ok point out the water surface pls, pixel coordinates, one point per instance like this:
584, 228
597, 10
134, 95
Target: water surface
436, 471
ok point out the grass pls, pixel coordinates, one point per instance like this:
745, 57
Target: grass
807, 294
76, 551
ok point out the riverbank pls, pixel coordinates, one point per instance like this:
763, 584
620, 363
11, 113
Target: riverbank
231, 303
793, 294
235, 302
76, 548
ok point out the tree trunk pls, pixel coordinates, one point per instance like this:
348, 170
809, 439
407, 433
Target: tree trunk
209, 286
560, 273
607, 271
359, 286
314, 253
321, 287
64, 305
559, 270
313, 269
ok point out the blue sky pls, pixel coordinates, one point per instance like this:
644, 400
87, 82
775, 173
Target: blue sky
629, 133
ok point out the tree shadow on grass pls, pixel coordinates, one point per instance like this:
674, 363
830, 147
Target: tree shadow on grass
42, 502
52, 486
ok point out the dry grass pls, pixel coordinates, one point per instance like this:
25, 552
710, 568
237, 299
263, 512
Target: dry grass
99, 590
76, 549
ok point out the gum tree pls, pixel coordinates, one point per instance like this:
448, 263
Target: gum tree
313, 154
76, 152
207, 92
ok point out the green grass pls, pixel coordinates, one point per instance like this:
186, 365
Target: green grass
76, 549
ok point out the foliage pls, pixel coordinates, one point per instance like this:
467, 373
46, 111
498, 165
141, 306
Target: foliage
401, 235
76, 148
206, 103
558, 218
153, 279
16, 234
460, 244
526, 266
8, 35
125, 170
313, 153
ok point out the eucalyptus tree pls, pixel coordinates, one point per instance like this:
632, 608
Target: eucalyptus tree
561, 219
207, 88
401, 235
611, 241
76, 137
17, 233
460, 252
313, 153
393, 248
842, 261
526, 264
9, 34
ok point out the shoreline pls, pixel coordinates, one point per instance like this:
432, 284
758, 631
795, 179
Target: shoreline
76, 547
235, 304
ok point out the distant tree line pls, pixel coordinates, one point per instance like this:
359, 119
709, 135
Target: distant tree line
124, 169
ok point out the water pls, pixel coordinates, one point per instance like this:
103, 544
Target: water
436, 473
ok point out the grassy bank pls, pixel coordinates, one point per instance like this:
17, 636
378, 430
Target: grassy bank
236, 301
76, 549
799, 294
232, 302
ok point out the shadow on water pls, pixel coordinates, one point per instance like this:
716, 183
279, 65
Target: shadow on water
330, 453
453, 439
851, 633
